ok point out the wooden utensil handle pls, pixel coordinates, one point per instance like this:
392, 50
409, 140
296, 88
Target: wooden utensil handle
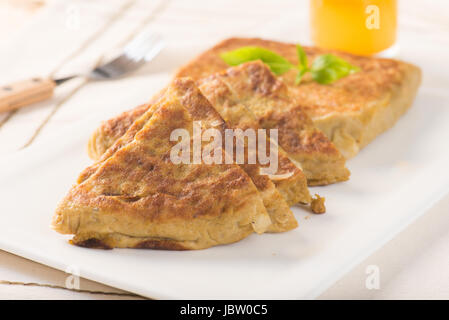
23, 93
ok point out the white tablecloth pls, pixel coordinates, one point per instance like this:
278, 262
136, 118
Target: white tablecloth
71, 36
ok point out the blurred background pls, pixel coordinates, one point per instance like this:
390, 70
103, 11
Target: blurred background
15, 13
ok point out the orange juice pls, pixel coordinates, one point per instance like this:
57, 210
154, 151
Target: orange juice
362, 27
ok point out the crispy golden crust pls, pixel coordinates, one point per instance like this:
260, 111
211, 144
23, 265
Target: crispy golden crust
308, 147
353, 110
289, 179
95, 146
282, 219
138, 198
278, 209
293, 187
113, 129
114, 240
350, 93
254, 86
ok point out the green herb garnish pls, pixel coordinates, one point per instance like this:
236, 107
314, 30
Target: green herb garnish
329, 68
302, 63
325, 69
277, 64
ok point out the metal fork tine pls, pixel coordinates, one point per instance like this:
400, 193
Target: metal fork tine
155, 50
140, 41
139, 50
136, 41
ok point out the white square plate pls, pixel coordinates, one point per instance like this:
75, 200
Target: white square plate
394, 180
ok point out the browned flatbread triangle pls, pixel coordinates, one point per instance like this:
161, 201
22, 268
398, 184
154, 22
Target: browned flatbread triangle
289, 179
308, 147
139, 198
256, 87
276, 205
293, 184
352, 111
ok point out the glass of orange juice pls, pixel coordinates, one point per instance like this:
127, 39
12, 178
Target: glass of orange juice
363, 27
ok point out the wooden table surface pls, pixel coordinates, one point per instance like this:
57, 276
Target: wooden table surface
415, 262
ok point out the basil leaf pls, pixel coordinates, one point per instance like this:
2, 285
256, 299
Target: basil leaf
302, 63
275, 62
325, 69
299, 75
302, 57
328, 68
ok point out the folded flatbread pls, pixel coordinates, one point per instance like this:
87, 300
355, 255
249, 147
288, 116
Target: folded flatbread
138, 198
290, 181
351, 111
290, 185
253, 85
289, 178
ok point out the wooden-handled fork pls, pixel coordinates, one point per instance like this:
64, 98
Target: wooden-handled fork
23, 93
142, 48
